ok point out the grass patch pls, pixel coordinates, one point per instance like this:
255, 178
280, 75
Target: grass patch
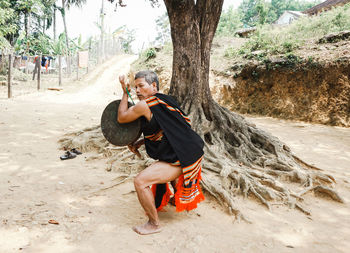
273, 40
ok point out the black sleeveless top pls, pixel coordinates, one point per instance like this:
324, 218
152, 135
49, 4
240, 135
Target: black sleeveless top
156, 143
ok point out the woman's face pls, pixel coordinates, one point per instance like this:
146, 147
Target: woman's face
144, 89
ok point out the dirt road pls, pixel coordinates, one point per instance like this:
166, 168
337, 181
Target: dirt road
36, 186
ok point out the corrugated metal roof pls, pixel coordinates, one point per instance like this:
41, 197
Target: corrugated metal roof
325, 5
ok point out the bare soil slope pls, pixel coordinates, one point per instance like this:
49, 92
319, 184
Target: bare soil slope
312, 84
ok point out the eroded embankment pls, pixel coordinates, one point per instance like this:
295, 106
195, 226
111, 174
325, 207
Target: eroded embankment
308, 91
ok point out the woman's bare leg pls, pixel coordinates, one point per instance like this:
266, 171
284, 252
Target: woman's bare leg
157, 173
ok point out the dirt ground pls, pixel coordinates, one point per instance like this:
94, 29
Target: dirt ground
36, 186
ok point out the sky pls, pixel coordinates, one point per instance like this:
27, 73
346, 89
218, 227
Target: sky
138, 16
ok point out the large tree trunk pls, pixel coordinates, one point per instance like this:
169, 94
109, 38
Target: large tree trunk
237, 155
192, 39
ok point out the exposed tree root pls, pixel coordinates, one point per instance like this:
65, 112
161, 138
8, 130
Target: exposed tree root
324, 190
239, 159
119, 158
124, 178
242, 158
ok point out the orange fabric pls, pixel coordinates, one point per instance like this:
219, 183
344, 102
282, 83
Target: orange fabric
181, 191
46, 64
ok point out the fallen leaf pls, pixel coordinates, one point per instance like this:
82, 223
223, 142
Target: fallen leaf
56, 89
54, 222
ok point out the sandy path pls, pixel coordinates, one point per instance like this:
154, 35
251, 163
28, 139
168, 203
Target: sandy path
35, 186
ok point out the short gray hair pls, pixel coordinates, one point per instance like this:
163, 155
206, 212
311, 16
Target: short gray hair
149, 76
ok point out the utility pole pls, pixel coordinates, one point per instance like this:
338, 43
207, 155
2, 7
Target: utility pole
102, 31
9, 85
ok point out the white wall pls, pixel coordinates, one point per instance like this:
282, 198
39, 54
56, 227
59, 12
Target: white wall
285, 18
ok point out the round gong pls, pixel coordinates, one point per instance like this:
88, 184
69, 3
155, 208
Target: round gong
116, 133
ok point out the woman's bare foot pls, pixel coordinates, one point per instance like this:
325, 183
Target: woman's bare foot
147, 228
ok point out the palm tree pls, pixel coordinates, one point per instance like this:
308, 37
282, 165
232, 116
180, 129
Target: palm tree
28, 7
44, 15
66, 4
50, 8
48, 14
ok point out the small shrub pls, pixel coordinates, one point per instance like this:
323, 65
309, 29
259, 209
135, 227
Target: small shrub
292, 59
231, 52
255, 74
310, 59
288, 46
150, 53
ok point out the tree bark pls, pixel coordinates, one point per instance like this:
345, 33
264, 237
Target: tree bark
192, 40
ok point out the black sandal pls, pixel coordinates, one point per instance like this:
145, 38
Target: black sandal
68, 155
74, 150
